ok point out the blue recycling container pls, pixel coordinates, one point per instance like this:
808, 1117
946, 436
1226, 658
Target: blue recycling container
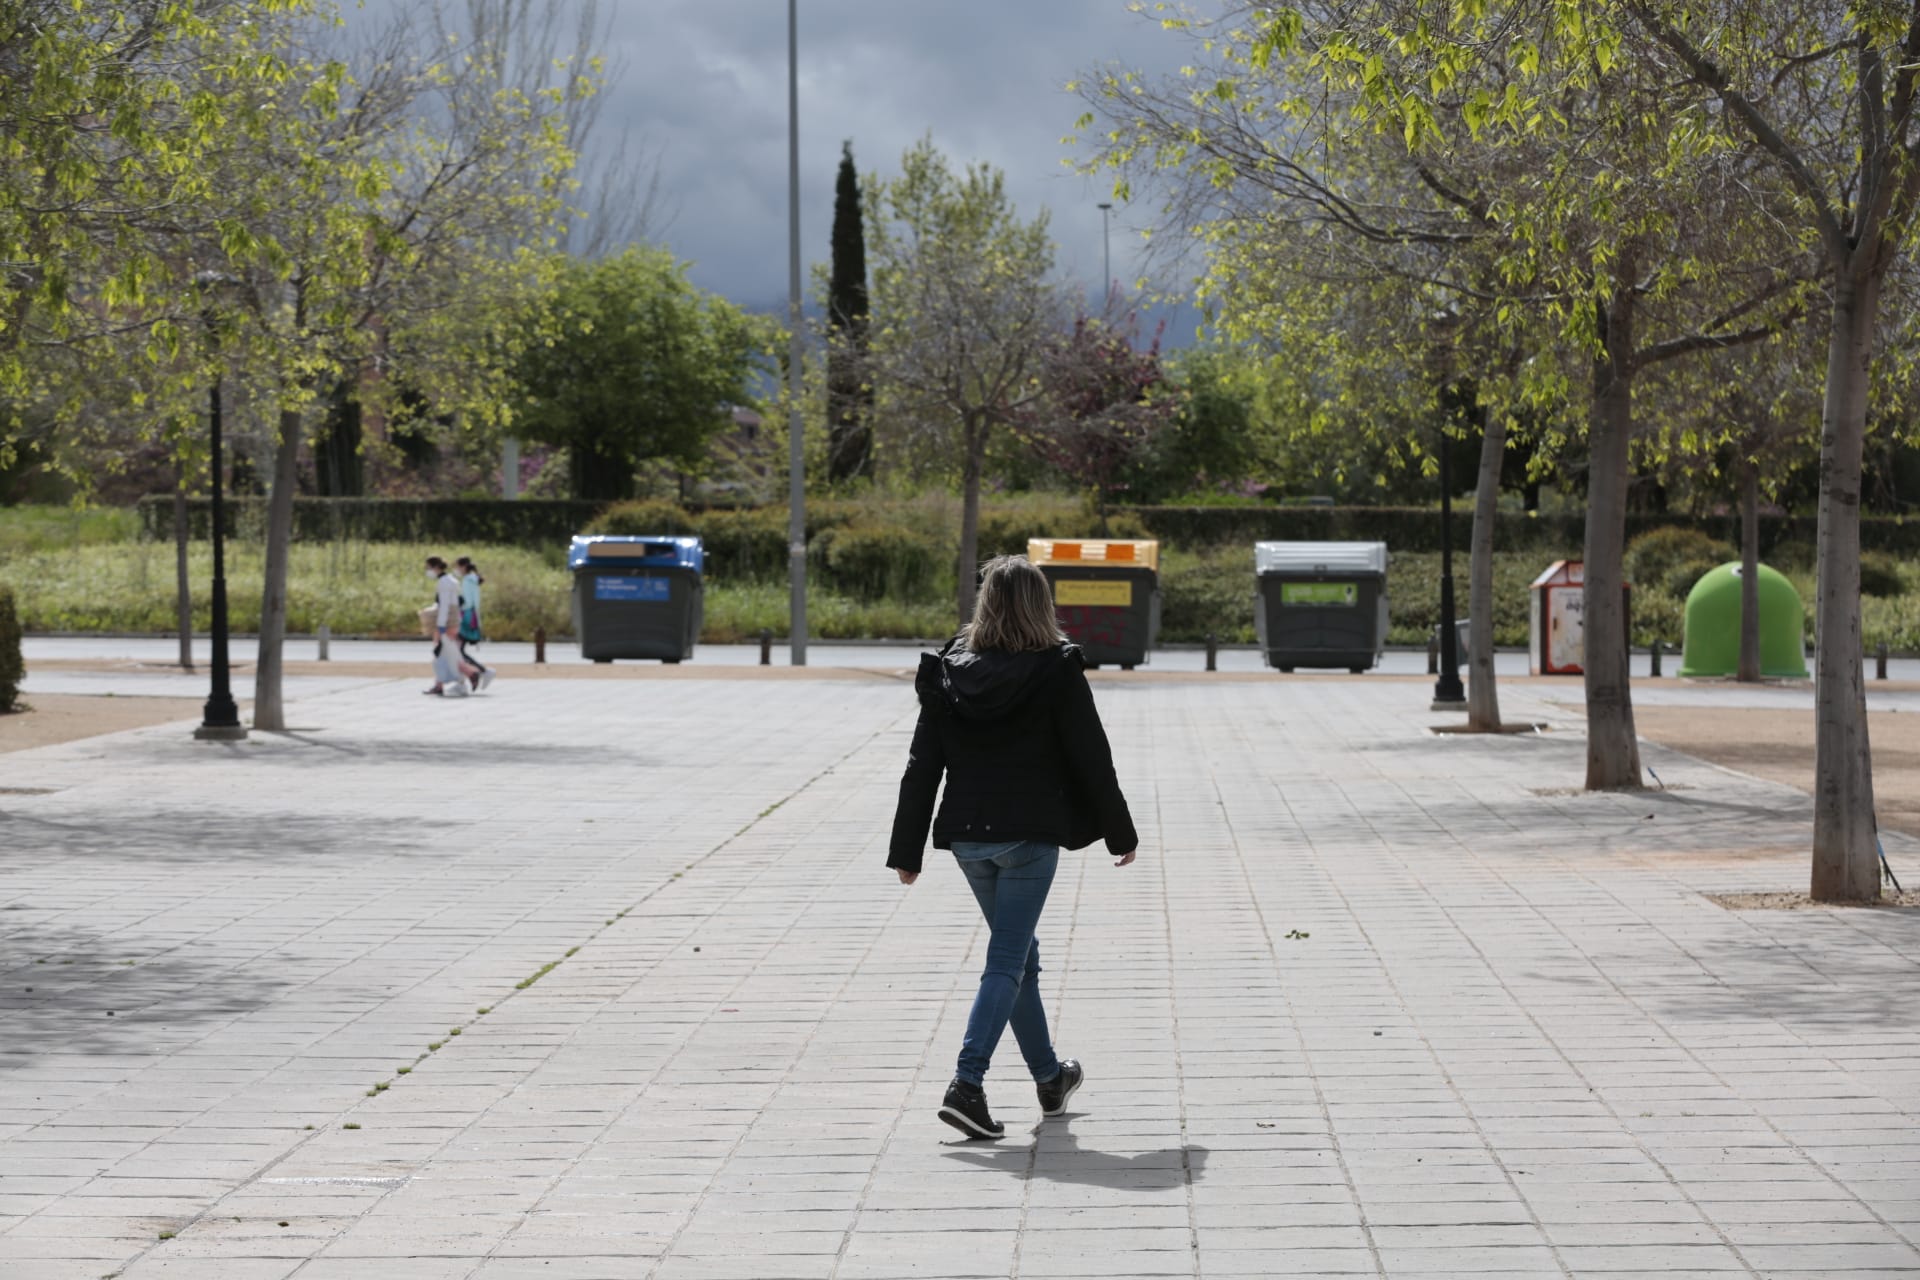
637, 597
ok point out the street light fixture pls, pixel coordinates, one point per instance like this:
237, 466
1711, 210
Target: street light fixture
1106, 251
221, 720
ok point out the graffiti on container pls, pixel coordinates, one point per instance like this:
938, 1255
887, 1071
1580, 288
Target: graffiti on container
1088, 624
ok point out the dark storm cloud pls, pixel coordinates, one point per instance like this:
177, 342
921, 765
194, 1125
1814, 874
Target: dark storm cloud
704, 84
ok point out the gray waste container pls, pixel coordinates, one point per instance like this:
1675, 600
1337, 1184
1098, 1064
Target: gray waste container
637, 597
1321, 604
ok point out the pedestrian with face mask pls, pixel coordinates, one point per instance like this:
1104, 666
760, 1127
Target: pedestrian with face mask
449, 677
1007, 717
470, 632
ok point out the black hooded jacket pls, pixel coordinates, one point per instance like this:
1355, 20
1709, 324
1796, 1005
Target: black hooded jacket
1019, 740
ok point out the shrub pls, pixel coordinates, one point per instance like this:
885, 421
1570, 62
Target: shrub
1413, 595
830, 513
1656, 559
1684, 576
1894, 622
1880, 575
737, 614
12, 668
653, 518
881, 562
747, 545
1212, 592
1005, 533
515, 605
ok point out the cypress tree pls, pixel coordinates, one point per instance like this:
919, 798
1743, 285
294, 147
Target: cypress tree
849, 399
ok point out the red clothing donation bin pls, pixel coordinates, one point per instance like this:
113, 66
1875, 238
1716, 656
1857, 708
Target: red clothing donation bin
1557, 630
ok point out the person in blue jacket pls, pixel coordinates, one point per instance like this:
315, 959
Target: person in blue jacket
1007, 717
470, 632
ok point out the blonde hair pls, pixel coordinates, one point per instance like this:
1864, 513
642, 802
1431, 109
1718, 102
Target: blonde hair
1014, 609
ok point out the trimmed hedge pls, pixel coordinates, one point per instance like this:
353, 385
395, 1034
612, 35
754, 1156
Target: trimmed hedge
751, 542
13, 668
1418, 528
453, 521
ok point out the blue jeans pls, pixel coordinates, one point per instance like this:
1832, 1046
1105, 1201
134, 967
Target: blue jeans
1010, 881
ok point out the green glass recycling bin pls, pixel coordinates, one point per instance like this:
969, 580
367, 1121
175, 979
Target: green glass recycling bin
637, 597
1712, 643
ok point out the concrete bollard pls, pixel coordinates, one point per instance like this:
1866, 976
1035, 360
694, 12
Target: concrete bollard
539, 644
323, 635
1213, 652
1880, 661
766, 647
1654, 656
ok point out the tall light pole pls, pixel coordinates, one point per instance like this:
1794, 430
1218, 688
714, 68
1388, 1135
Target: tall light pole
796, 443
1448, 693
220, 722
1106, 253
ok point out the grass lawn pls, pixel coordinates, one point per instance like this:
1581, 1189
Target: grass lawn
377, 589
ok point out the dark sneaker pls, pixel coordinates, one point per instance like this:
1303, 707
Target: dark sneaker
1055, 1092
966, 1110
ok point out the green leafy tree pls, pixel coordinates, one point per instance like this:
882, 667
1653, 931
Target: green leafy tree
1829, 94
389, 206
1214, 439
1340, 164
638, 364
111, 119
963, 312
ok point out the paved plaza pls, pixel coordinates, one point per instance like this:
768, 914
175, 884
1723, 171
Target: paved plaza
606, 978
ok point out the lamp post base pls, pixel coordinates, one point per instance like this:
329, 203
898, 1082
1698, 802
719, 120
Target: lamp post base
1449, 704
221, 733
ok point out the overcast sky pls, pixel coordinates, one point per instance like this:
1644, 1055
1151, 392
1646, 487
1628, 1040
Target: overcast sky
703, 83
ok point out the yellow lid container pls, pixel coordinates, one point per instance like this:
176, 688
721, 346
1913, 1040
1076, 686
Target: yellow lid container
1110, 553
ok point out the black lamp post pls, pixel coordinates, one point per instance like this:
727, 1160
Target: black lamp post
221, 720
1448, 695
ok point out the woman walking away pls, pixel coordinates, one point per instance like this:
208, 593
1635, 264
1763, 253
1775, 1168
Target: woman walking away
1007, 716
447, 663
470, 633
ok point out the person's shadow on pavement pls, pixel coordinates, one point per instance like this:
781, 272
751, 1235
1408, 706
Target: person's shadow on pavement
1056, 1155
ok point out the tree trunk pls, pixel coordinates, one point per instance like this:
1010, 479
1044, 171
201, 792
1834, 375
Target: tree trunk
969, 567
183, 585
849, 432
1846, 865
1749, 669
599, 474
268, 708
1483, 695
1613, 749
339, 468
